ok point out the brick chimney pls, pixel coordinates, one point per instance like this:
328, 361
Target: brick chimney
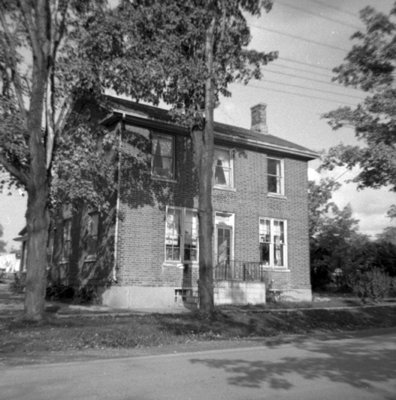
259, 118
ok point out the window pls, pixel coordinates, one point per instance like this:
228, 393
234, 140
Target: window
92, 234
224, 237
223, 168
162, 156
275, 176
181, 235
273, 244
66, 239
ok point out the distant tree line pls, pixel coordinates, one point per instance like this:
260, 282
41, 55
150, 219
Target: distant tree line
338, 251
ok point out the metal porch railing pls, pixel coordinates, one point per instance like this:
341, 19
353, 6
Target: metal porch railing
240, 271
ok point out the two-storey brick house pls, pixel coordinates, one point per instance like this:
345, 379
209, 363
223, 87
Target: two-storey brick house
260, 213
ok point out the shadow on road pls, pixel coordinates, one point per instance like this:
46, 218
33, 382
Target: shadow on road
358, 365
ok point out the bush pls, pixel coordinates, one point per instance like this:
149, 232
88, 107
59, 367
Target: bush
87, 295
59, 292
17, 286
372, 284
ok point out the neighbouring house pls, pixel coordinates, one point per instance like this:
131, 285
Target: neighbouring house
144, 252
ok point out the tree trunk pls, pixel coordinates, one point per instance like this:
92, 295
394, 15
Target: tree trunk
37, 215
204, 145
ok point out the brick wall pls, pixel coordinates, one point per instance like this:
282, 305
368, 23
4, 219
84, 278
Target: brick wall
142, 228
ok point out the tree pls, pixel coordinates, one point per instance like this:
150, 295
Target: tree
319, 195
50, 53
370, 66
3, 244
333, 234
185, 52
207, 42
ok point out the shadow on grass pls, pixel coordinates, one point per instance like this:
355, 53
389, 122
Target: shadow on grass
231, 323
359, 364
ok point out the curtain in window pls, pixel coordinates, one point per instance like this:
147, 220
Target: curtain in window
162, 153
172, 235
222, 167
265, 240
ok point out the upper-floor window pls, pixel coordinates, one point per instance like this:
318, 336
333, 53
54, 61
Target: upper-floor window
273, 242
275, 178
223, 168
162, 156
181, 235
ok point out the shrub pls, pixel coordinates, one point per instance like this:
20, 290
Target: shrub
17, 286
371, 284
88, 294
59, 292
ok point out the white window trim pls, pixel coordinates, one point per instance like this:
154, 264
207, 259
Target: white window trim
180, 262
285, 245
159, 177
282, 177
231, 185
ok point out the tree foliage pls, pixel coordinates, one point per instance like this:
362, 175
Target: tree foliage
3, 244
185, 52
339, 253
370, 66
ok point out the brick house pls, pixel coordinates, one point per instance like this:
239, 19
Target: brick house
150, 248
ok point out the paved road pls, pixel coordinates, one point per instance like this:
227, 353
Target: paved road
354, 368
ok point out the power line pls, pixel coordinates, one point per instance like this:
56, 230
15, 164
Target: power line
335, 8
303, 63
318, 15
302, 77
298, 94
302, 70
314, 89
300, 38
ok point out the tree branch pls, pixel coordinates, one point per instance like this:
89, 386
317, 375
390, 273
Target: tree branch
21, 176
34, 40
10, 49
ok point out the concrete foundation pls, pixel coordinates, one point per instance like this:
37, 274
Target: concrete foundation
226, 292
170, 298
140, 297
296, 295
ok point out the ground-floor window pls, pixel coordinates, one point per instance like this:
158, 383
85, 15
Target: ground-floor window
181, 235
66, 239
273, 242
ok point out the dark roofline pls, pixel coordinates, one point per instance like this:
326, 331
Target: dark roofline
150, 117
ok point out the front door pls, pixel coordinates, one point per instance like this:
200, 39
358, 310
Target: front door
224, 235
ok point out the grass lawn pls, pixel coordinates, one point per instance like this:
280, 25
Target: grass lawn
106, 336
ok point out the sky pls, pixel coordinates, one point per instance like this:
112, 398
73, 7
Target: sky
312, 37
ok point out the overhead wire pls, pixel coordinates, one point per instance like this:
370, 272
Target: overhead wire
313, 89
317, 15
297, 94
275, 64
305, 78
302, 63
300, 38
340, 10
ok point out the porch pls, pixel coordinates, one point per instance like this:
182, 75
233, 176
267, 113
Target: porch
241, 282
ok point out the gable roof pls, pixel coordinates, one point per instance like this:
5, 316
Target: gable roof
158, 118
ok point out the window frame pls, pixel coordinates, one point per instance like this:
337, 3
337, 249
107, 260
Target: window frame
183, 220
231, 168
280, 177
272, 243
158, 135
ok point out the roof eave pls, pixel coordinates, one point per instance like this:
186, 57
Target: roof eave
118, 115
